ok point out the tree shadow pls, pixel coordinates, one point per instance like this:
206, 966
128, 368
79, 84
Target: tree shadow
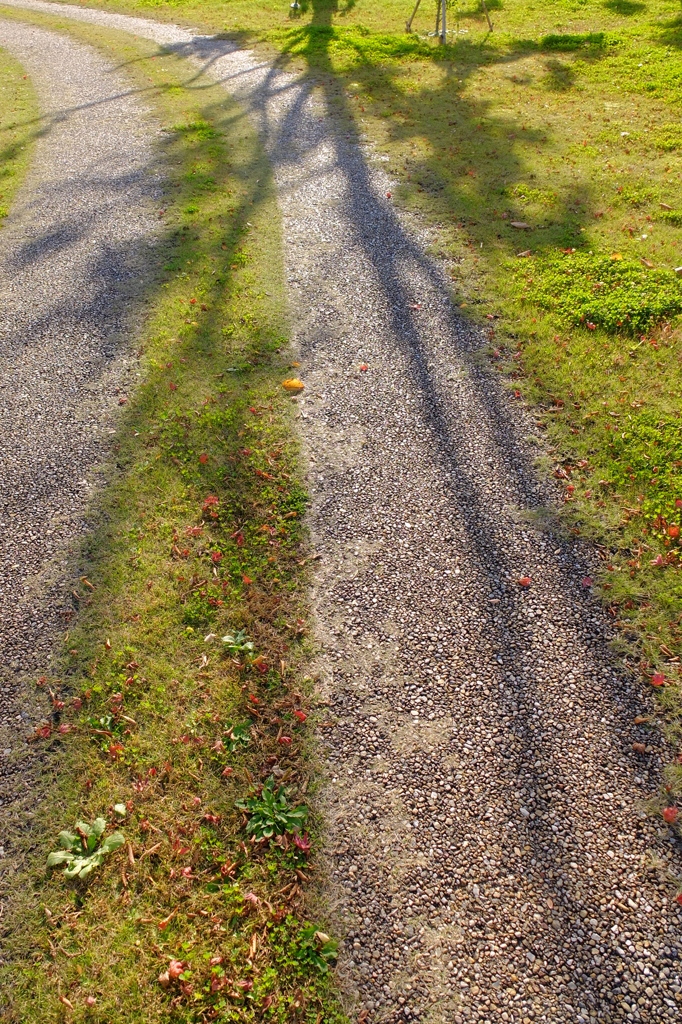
393, 255
624, 8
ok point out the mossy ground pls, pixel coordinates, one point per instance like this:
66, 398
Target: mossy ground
198, 532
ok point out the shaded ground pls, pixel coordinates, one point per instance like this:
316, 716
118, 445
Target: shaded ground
74, 256
489, 858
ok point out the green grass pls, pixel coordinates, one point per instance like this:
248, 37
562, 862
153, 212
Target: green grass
167, 735
18, 110
564, 118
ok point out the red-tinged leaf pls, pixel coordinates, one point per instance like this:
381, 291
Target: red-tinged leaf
122, 400
176, 968
591, 326
58, 705
172, 386
226, 772
678, 898
212, 819
670, 814
674, 531
301, 715
678, 502
43, 732
525, 581
203, 459
639, 748
658, 679
253, 410
658, 561
389, 195
186, 872
587, 581
254, 699
107, 645
90, 1001
252, 899
64, 728
116, 750
285, 740
364, 367
192, 302
77, 703
302, 842
216, 556
247, 580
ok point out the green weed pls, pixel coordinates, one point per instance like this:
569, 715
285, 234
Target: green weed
83, 851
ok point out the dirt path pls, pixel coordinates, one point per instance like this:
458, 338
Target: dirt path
72, 258
487, 855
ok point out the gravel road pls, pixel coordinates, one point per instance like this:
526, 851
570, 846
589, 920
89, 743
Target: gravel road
73, 254
488, 852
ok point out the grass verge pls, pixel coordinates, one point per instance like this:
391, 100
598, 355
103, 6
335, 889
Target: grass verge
549, 154
18, 113
176, 754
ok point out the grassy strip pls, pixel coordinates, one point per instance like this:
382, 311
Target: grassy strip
18, 118
550, 155
191, 747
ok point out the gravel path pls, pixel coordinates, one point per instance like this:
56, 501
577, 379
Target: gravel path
72, 259
488, 854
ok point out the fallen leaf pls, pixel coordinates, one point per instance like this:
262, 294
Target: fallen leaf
293, 384
647, 263
658, 679
639, 748
203, 459
526, 252
670, 815
520, 225
664, 206
525, 581
66, 1002
587, 581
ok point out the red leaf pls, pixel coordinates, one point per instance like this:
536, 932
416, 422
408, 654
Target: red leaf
525, 581
216, 556
658, 679
301, 715
203, 459
172, 386
587, 581
247, 580
286, 740
303, 842
670, 814
388, 195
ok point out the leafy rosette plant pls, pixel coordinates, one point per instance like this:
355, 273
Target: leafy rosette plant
271, 813
82, 852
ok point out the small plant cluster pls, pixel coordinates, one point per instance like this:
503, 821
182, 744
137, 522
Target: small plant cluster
612, 292
83, 851
271, 812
